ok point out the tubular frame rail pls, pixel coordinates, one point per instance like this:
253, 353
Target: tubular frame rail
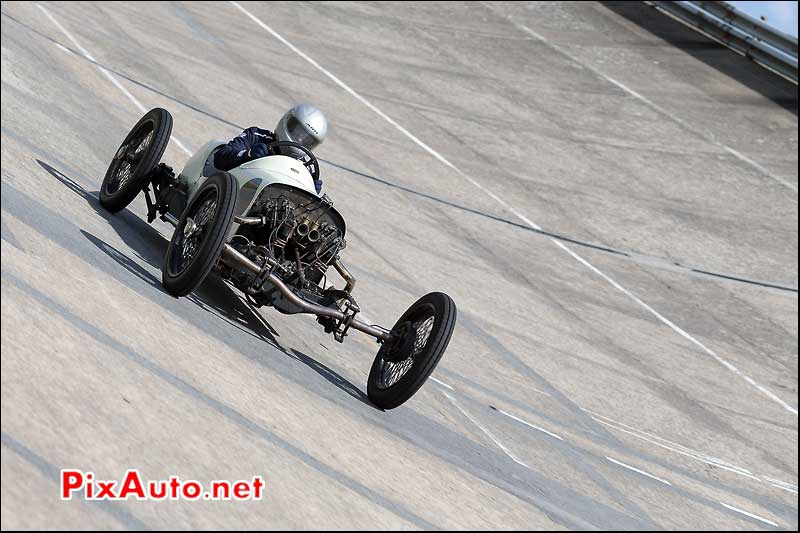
234, 258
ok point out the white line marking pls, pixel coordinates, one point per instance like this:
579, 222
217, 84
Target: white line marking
678, 329
642, 472
519, 215
534, 426
485, 431
706, 136
105, 73
343, 85
705, 457
694, 456
751, 515
443, 384
782, 485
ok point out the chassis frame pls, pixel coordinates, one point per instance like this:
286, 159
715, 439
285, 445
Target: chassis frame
165, 187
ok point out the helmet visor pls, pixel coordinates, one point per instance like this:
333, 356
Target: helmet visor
299, 133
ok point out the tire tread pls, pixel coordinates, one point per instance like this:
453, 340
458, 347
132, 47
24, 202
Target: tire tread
197, 271
409, 384
161, 134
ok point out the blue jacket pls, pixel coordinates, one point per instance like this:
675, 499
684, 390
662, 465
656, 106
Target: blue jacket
237, 151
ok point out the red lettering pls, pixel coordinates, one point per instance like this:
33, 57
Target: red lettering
221, 486
132, 484
157, 495
71, 480
106, 489
258, 484
241, 490
191, 490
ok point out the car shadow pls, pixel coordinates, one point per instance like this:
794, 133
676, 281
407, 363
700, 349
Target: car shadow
214, 295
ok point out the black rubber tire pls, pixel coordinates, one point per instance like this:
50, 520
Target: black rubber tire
160, 121
183, 282
444, 313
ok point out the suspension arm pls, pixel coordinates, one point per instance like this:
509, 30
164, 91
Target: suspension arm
235, 259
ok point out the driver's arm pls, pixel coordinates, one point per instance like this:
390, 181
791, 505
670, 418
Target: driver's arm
243, 148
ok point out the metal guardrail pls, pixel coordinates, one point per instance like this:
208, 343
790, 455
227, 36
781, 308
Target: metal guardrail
742, 33
759, 29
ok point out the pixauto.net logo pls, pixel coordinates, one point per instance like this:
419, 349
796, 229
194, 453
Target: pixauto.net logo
76, 483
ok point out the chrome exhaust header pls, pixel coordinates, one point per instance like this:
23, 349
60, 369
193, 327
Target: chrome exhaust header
235, 259
346, 275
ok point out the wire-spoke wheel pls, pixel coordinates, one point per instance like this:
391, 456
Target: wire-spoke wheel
417, 342
193, 234
135, 159
200, 235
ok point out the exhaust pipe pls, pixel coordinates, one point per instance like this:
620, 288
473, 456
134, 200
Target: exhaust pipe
309, 230
251, 221
346, 275
235, 259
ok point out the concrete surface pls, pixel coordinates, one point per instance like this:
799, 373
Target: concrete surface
572, 167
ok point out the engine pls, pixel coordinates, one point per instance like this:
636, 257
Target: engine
302, 233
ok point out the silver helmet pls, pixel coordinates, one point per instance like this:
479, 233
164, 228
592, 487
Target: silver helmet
303, 124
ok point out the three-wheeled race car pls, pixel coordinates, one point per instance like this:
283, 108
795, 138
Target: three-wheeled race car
263, 227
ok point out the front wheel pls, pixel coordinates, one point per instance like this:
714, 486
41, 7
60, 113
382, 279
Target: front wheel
417, 342
135, 160
200, 235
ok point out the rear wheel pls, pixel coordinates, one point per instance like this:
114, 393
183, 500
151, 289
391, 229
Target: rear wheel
135, 160
200, 235
418, 342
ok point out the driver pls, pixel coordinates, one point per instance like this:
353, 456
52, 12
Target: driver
303, 124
